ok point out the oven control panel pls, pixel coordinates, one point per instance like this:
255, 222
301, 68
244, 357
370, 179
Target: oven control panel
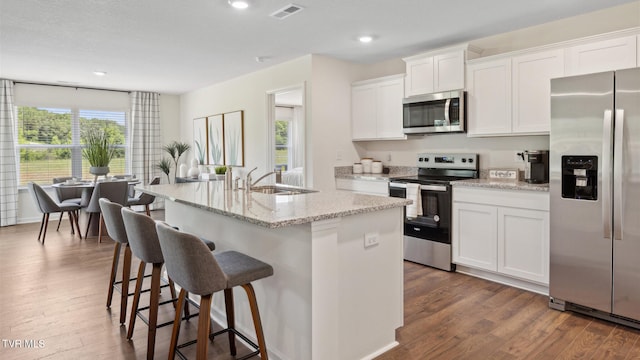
448, 161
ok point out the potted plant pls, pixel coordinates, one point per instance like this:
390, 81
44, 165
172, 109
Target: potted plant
98, 151
220, 171
165, 166
175, 149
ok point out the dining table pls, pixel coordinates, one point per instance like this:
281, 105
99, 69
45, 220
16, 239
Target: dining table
87, 187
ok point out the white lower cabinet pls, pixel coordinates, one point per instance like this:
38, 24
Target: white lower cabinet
369, 187
502, 231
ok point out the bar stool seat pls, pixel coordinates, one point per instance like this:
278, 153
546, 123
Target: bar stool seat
203, 273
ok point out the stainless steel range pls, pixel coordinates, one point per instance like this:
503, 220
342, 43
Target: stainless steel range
427, 225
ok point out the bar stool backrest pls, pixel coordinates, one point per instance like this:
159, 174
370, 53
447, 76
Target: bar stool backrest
189, 261
116, 191
142, 235
113, 220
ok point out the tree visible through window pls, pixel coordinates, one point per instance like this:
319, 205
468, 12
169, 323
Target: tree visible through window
50, 141
283, 129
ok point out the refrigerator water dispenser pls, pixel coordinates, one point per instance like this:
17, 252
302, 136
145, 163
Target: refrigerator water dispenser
580, 177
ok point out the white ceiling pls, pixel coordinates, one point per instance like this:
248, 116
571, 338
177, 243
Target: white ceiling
175, 46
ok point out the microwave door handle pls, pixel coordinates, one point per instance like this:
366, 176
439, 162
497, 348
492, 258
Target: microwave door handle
618, 158
447, 105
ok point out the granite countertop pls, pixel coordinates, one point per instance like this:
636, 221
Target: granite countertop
269, 210
501, 184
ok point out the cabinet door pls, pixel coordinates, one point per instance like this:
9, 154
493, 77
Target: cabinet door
363, 111
419, 76
489, 98
474, 238
389, 109
601, 56
532, 74
448, 71
369, 187
523, 243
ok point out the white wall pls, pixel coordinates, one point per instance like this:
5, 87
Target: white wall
57, 96
246, 93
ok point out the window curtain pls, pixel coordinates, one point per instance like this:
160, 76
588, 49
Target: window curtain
8, 171
145, 146
297, 140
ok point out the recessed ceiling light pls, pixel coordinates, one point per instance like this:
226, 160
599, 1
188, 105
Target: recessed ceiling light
239, 4
100, 73
365, 39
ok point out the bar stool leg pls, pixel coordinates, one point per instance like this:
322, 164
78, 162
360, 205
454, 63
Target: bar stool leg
100, 226
172, 289
154, 299
176, 325
136, 299
204, 321
231, 319
114, 269
124, 293
251, 294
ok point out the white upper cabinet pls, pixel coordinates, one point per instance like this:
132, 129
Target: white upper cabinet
605, 55
448, 71
436, 71
419, 76
532, 74
376, 109
489, 98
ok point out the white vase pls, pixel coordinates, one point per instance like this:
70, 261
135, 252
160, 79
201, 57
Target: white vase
183, 170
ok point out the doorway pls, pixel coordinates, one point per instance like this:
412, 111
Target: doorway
286, 135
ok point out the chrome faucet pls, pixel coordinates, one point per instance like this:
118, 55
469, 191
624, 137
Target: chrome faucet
251, 184
248, 180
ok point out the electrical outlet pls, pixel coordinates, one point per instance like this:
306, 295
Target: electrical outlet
370, 239
338, 155
389, 157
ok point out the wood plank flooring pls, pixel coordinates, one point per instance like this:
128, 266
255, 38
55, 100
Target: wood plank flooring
53, 297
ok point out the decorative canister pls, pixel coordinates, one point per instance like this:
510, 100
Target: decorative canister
376, 167
357, 168
366, 164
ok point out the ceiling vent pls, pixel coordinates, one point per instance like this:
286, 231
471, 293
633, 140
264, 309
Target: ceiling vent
287, 11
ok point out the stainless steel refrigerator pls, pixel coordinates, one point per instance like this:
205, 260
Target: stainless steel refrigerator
594, 186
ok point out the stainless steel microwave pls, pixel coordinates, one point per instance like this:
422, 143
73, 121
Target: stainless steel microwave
434, 113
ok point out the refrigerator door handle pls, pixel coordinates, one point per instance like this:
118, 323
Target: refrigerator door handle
617, 174
606, 173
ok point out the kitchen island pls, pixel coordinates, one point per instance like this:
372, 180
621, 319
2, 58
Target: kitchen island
337, 289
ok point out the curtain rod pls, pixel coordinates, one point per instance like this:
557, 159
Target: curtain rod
70, 86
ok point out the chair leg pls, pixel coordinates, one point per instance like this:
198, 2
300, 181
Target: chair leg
172, 289
100, 226
204, 321
154, 299
41, 226
114, 270
75, 218
86, 233
46, 223
70, 214
176, 325
253, 304
146, 208
59, 221
126, 274
231, 319
136, 299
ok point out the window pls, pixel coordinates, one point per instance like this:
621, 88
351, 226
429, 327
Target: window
50, 141
283, 124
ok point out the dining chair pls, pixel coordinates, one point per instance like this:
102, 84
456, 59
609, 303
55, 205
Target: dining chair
46, 205
144, 198
67, 194
114, 191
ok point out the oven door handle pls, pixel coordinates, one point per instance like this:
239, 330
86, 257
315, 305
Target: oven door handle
441, 188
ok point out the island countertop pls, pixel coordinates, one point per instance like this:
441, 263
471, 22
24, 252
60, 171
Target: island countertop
269, 210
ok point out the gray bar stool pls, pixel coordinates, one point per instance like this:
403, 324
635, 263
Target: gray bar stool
197, 270
143, 240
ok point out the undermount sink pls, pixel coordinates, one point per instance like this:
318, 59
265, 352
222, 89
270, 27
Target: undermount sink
280, 190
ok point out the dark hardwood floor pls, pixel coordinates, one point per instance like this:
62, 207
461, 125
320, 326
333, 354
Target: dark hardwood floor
52, 299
